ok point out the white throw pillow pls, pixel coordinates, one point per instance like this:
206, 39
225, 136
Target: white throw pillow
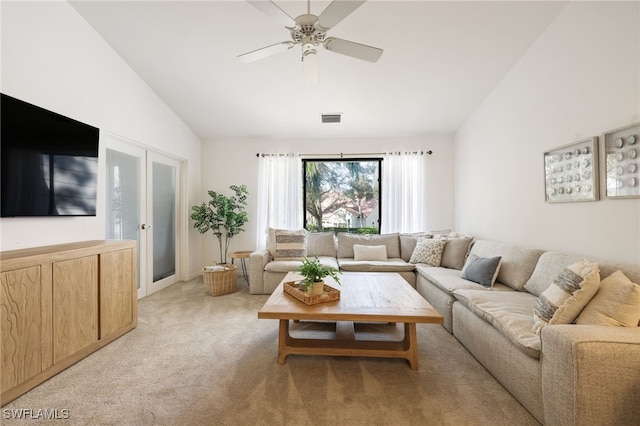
428, 251
617, 303
569, 292
369, 253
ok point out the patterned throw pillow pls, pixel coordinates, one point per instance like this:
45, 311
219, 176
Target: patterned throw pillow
617, 303
481, 270
428, 251
569, 292
291, 245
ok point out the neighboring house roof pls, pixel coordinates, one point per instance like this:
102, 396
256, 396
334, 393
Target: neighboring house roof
335, 197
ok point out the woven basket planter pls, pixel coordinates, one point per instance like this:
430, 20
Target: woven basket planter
217, 283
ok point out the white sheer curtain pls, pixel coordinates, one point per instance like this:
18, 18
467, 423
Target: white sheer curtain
279, 194
403, 192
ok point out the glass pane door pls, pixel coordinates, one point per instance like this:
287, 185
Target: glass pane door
162, 191
164, 219
125, 200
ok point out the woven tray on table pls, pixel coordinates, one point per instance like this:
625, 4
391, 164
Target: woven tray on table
219, 282
328, 295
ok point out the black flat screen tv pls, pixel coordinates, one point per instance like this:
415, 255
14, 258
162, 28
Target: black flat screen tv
49, 162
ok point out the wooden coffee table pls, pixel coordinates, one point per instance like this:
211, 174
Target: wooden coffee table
365, 297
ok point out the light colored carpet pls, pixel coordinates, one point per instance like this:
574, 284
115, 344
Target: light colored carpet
201, 360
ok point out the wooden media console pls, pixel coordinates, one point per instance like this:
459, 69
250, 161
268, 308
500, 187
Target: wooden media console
59, 304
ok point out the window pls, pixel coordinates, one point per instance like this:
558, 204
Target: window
342, 195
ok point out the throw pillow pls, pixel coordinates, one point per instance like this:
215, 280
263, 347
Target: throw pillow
569, 292
428, 251
455, 252
616, 303
369, 253
271, 238
481, 270
408, 244
291, 245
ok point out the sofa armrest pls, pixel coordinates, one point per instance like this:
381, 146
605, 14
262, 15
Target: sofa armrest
590, 374
257, 261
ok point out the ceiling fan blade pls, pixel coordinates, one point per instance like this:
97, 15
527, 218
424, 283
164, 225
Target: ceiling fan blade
353, 49
263, 52
310, 65
336, 12
272, 10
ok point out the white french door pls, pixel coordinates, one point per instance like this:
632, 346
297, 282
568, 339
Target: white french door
142, 204
162, 220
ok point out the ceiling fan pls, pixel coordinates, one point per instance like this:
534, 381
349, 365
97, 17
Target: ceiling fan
309, 31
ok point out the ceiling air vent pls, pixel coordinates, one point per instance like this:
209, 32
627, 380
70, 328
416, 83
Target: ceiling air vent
331, 118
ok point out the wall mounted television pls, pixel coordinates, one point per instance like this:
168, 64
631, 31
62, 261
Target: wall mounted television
49, 162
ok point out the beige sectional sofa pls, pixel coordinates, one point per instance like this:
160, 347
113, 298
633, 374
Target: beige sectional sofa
567, 375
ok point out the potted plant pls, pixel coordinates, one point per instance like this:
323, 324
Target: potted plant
314, 272
224, 216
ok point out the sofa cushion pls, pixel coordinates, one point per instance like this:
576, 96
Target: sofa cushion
552, 263
549, 266
428, 251
570, 291
408, 244
617, 303
346, 242
517, 262
293, 265
290, 245
481, 270
509, 312
321, 244
390, 265
369, 253
455, 252
449, 280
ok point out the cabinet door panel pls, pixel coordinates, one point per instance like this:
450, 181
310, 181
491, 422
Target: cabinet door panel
116, 291
75, 305
21, 324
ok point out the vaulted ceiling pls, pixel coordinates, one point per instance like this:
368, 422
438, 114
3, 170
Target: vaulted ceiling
440, 60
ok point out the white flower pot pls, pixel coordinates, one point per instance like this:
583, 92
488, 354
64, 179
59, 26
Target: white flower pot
317, 288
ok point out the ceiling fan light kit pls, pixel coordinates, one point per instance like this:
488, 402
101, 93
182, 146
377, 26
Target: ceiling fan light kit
310, 31
310, 65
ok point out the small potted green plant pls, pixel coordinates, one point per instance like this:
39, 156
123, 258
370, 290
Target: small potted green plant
314, 272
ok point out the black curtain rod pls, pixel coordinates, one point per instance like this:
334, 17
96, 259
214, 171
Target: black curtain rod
342, 154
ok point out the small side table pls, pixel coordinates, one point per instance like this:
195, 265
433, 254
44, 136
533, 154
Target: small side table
242, 255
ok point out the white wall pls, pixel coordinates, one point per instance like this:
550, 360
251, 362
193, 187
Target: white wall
234, 162
52, 58
580, 79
